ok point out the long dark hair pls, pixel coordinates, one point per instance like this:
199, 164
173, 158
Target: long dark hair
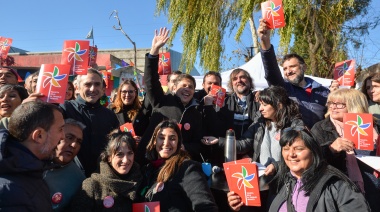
175, 161
311, 175
286, 109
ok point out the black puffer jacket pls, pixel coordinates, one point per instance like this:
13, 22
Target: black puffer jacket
187, 190
22, 187
325, 133
99, 122
253, 137
332, 193
169, 107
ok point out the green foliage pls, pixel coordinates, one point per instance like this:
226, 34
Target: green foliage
315, 29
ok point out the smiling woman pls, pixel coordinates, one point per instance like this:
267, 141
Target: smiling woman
307, 183
115, 186
171, 178
339, 151
11, 96
126, 104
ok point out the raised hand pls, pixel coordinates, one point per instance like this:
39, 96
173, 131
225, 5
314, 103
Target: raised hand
264, 35
159, 40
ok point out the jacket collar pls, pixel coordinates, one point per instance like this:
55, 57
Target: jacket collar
82, 102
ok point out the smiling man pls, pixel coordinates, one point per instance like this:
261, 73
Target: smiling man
179, 105
8, 76
99, 120
64, 181
309, 94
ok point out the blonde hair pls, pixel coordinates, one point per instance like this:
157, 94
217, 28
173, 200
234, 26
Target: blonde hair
356, 101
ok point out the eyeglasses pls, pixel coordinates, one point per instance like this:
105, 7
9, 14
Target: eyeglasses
298, 129
336, 104
128, 91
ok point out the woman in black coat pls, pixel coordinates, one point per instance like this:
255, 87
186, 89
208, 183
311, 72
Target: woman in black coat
171, 178
339, 151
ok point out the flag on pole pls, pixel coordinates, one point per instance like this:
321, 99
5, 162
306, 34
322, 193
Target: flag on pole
90, 34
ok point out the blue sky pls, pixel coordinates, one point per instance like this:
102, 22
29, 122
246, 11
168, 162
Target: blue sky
41, 26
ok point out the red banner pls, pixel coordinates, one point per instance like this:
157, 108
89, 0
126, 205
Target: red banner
146, 207
76, 54
219, 93
344, 72
92, 55
358, 127
52, 82
273, 13
128, 127
5, 46
243, 179
164, 64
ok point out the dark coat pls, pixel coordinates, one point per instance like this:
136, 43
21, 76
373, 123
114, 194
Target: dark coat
122, 115
22, 187
99, 122
107, 183
169, 107
253, 137
141, 122
330, 194
187, 190
325, 133
312, 107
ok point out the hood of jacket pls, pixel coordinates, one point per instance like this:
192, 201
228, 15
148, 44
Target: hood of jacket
16, 158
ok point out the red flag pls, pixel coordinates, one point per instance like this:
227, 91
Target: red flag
92, 55
273, 12
5, 46
344, 72
52, 82
164, 64
75, 53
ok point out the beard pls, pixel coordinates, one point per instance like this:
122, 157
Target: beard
47, 152
296, 81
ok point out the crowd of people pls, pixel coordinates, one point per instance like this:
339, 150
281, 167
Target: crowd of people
74, 157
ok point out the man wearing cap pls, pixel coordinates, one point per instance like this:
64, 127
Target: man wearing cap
35, 128
8, 76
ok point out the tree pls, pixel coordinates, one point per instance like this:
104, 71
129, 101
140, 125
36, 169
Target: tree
315, 28
319, 33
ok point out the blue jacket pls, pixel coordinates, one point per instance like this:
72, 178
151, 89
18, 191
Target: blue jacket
311, 107
21, 185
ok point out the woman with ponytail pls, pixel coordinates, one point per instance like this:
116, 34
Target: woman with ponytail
171, 177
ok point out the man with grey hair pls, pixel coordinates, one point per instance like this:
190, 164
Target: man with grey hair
35, 128
65, 180
99, 120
